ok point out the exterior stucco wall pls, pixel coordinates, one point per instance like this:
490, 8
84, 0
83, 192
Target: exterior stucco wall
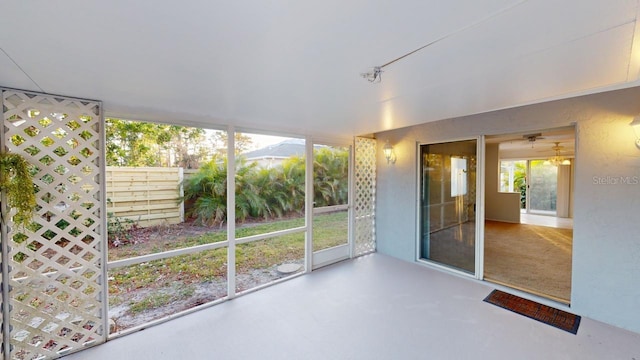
606, 244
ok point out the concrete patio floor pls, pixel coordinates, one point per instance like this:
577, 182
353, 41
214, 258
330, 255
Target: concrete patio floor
373, 307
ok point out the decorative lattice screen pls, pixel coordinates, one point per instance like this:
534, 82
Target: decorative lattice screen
2, 302
365, 195
55, 264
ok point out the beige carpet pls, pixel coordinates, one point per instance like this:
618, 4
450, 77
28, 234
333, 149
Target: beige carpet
536, 259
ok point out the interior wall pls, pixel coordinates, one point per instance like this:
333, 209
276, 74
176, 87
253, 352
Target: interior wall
499, 206
606, 248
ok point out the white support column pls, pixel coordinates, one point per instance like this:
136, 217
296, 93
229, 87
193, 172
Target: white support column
480, 192
308, 211
351, 197
104, 232
231, 212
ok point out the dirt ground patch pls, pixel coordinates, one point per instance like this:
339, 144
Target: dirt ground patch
123, 318
152, 290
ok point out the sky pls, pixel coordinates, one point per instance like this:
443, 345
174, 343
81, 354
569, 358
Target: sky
260, 141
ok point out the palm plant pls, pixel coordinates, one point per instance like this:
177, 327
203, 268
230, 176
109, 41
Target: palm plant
330, 167
249, 202
267, 192
209, 189
274, 202
289, 184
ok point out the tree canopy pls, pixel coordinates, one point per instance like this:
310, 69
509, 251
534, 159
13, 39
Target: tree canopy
137, 143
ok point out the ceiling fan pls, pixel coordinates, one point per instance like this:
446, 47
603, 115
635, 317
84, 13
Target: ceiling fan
531, 138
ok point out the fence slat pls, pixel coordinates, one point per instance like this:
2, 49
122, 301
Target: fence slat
148, 196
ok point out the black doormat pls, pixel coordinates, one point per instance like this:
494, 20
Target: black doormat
531, 309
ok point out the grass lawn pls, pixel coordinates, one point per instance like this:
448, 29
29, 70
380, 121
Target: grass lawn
330, 229
181, 282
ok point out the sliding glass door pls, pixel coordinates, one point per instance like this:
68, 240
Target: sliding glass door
448, 204
536, 181
542, 187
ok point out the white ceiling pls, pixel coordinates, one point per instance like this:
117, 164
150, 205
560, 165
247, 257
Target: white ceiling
536, 144
294, 66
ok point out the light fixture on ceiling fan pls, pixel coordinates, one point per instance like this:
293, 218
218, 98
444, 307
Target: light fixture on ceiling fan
531, 138
558, 159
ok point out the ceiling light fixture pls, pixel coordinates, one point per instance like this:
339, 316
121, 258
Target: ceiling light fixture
557, 160
374, 75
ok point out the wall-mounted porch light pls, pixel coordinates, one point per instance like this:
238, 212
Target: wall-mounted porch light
387, 149
635, 124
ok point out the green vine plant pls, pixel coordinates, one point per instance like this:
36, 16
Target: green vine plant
17, 186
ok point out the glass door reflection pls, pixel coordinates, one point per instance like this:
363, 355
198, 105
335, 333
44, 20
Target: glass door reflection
542, 187
448, 204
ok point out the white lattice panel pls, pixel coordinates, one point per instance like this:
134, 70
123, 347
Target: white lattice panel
365, 195
55, 274
2, 308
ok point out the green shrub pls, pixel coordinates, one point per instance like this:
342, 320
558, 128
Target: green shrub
267, 192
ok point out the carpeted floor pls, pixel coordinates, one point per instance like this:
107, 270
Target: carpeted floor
536, 259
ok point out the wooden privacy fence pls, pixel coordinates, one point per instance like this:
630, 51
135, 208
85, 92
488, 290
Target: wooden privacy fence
146, 195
